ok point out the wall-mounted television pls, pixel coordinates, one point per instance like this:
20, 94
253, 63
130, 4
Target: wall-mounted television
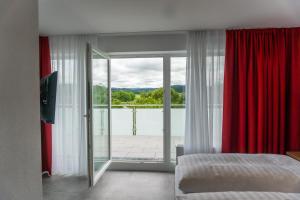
48, 97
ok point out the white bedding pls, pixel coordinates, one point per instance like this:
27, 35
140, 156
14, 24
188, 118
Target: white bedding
240, 196
237, 172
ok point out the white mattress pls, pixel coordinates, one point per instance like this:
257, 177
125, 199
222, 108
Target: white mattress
240, 196
237, 172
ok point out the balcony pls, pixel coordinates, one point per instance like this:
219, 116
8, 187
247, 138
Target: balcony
137, 131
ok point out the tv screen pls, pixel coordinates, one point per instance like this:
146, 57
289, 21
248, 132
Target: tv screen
48, 97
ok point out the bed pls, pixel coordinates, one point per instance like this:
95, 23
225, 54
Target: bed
211, 173
240, 196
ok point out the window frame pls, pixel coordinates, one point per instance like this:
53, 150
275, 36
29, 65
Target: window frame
166, 164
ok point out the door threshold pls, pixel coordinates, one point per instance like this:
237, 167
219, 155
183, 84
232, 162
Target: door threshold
141, 166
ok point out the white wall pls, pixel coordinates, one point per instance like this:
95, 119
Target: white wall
20, 157
143, 42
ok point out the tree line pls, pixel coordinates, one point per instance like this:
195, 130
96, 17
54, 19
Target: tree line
127, 97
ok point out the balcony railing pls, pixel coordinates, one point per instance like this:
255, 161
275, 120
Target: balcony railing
144, 120
137, 130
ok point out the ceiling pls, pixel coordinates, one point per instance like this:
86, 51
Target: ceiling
119, 16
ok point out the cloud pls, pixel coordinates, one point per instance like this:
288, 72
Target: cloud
138, 72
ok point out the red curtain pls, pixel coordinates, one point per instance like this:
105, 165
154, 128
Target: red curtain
46, 129
262, 91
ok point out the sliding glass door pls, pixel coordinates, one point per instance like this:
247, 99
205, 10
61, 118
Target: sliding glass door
137, 109
98, 107
178, 84
148, 110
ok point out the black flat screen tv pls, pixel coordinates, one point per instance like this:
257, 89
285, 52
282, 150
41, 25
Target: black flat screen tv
48, 97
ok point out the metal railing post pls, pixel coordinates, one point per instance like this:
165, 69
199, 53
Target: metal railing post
102, 121
134, 120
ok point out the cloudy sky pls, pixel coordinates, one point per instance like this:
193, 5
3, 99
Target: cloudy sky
139, 72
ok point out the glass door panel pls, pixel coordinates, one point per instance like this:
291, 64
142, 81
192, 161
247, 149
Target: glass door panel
178, 73
99, 113
137, 109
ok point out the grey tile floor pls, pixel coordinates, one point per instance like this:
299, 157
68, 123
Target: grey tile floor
141, 147
64, 188
134, 147
114, 185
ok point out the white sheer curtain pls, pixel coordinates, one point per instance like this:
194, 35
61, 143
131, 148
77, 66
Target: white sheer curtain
69, 131
204, 92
